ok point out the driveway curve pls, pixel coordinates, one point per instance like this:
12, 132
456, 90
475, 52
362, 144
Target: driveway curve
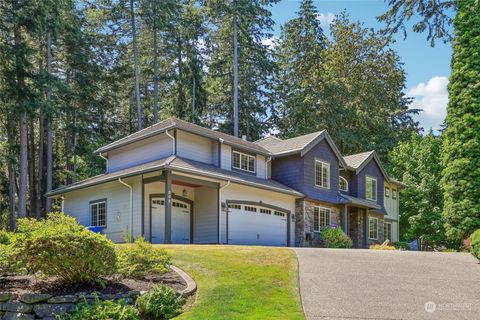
370, 284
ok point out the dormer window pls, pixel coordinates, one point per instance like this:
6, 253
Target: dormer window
387, 192
394, 193
371, 188
243, 161
322, 174
343, 184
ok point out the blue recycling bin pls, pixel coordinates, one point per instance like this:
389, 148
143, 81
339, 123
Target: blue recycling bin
95, 229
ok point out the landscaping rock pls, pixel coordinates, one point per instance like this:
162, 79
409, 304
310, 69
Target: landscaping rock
63, 299
5, 296
34, 297
18, 316
16, 306
51, 310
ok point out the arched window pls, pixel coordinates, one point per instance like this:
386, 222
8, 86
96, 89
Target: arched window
343, 184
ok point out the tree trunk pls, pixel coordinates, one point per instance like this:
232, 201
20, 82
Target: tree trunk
49, 177
41, 167
32, 188
74, 179
155, 73
235, 78
181, 93
11, 173
193, 98
135, 62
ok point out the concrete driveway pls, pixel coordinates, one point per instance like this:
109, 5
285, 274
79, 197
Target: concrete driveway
368, 284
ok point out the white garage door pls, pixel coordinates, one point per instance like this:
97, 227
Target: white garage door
256, 225
180, 221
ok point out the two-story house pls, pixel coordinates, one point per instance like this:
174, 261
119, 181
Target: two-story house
176, 182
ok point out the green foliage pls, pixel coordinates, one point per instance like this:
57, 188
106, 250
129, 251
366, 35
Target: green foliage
402, 245
141, 258
461, 156
161, 302
475, 244
5, 237
416, 163
103, 310
59, 246
335, 238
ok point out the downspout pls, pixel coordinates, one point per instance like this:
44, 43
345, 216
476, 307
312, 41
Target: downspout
269, 159
104, 158
220, 208
173, 142
131, 206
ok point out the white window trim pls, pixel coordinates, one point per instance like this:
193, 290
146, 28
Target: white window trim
96, 203
249, 156
366, 188
369, 219
328, 180
396, 194
346, 184
387, 194
385, 224
328, 210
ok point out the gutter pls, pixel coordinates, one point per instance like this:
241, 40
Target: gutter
220, 213
131, 206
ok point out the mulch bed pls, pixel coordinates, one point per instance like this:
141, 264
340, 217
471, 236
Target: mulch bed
32, 284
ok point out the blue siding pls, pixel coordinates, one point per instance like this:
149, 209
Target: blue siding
371, 169
289, 171
323, 152
352, 182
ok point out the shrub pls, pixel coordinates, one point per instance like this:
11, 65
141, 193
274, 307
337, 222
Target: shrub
161, 302
59, 246
141, 258
5, 237
335, 238
402, 245
103, 310
475, 244
7, 260
380, 247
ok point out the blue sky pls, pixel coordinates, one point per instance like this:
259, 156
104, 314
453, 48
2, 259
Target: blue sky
427, 68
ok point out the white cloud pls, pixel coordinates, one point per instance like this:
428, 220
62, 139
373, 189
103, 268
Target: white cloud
270, 42
432, 98
325, 19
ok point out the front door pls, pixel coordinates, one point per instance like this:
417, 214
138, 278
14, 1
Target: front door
180, 220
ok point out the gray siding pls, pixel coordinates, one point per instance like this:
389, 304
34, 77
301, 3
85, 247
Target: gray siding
261, 169
226, 157
140, 152
205, 215
194, 147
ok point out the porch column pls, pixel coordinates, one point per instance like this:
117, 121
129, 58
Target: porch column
344, 219
168, 207
365, 229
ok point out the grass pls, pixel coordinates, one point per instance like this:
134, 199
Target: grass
236, 282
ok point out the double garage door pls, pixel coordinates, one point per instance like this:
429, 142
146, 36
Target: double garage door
256, 225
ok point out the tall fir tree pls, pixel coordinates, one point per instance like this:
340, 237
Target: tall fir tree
461, 176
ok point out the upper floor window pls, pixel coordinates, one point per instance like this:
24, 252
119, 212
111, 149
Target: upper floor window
387, 192
343, 184
371, 188
394, 193
321, 218
243, 161
98, 213
373, 228
322, 174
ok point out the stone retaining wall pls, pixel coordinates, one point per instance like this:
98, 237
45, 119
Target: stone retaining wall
32, 306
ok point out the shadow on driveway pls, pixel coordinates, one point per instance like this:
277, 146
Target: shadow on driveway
369, 284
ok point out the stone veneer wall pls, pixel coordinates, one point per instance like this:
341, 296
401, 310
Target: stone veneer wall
304, 222
32, 306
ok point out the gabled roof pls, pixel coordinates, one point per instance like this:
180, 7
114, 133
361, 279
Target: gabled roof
181, 165
300, 144
175, 123
356, 162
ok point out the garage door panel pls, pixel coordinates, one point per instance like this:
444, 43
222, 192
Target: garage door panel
260, 227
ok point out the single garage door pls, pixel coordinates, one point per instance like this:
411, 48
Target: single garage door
180, 220
256, 225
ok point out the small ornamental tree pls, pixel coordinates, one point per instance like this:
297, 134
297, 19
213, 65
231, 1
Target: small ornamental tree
59, 246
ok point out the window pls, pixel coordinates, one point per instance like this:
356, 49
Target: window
321, 218
322, 174
98, 213
243, 161
387, 231
251, 209
394, 193
265, 211
343, 184
279, 213
373, 228
371, 188
387, 192
234, 206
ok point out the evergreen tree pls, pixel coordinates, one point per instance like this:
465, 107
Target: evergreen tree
461, 177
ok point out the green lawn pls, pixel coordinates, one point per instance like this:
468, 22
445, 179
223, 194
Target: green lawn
236, 282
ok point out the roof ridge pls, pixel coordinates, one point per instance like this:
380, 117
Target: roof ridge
272, 137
